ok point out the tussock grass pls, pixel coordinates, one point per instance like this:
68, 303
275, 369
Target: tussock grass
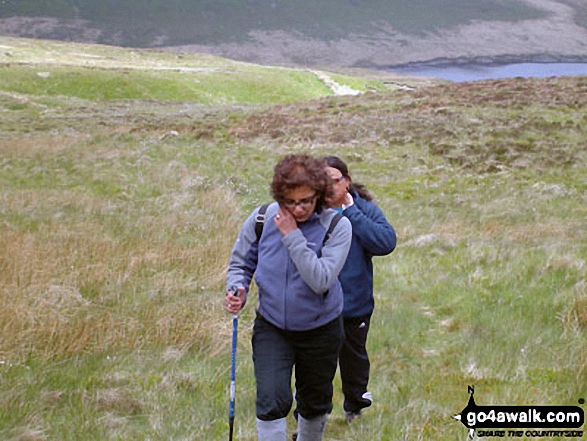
63, 291
117, 219
76, 248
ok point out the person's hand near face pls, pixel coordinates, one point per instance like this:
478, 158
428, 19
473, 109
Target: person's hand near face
285, 221
341, 196
298, 205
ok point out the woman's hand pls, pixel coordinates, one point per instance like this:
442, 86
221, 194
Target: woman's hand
285, 221
234, 303
348, 201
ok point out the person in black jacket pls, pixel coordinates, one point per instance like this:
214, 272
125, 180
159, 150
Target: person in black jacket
372, 236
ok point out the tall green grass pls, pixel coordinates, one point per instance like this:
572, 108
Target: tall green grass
117, 219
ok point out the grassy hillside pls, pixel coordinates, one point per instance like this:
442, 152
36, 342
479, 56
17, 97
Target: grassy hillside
118, 215
98, 73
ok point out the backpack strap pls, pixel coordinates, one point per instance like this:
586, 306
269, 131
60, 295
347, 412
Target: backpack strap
260, 221
335, 219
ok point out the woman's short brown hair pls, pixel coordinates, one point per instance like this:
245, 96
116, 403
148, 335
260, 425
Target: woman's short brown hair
301, 170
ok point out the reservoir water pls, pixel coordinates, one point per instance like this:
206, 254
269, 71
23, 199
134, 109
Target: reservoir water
473, 72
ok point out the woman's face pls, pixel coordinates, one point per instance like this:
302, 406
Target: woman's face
300, 202
340, 186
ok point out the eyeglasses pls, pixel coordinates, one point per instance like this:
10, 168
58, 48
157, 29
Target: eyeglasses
302, 203
337, 179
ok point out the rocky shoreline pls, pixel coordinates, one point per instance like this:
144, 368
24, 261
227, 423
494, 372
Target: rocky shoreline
499, 60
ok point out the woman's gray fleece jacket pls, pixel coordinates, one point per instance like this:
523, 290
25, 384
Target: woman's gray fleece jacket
297, 276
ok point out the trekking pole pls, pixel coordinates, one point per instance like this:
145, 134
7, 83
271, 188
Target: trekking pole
234, 291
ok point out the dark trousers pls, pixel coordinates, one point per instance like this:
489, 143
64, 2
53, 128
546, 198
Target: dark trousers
313, 354
354, 363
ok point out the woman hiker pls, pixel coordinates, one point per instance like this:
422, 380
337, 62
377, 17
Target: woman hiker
372, 236
298, 326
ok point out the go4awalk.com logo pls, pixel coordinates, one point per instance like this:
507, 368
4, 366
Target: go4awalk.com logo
520, 421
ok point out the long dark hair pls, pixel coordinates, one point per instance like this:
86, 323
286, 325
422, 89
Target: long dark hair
301, 170
360, 189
